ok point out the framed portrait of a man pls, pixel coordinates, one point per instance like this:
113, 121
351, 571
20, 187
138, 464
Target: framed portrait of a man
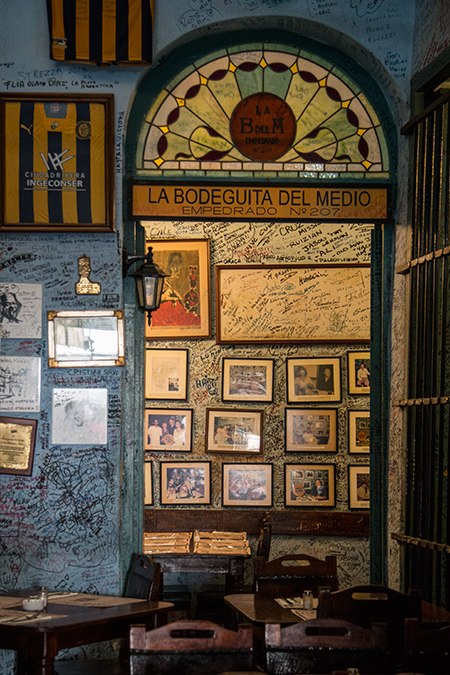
184, 312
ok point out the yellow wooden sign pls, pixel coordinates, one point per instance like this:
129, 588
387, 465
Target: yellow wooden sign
260, 202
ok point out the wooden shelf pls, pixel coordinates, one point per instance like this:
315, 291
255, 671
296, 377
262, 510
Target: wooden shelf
284, 522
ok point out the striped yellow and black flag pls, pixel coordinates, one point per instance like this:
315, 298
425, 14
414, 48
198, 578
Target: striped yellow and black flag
56, 162
101, 31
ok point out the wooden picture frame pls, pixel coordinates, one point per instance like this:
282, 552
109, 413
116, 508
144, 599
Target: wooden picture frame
57, 162
166, 372
247, 379
86, 338
148, 483
359, 487
247, 484
301, 486
358, 431
358, 381
311, 429
278, 304
185, 310
311, 379
231, 430
173, 429
185, 483
17, 443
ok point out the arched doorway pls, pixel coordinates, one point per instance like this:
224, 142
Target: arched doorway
279, 151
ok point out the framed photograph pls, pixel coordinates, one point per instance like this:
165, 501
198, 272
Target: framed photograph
237, 431
309, 485
247, 485
57, 162
359, 487
277, 304
166, 374
80, 417
17, 441
185, 310
86, 338
358, 372
312, 379
20, 389
185, 482
247, 379
20, 310
168, 430
358, 431
148, 484
311, 429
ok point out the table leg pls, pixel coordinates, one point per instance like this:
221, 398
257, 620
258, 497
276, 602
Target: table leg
37, 657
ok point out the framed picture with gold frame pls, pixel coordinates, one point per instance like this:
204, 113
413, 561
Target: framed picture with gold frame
234, 430
311, 429
86, 337
166, 374
358, 431
185, 311
309, 485
148, 483
313, 380
17, 441
247, 484
359, 487
185, 483
358, 364
57, 162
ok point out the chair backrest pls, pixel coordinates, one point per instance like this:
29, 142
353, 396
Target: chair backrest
144, 578
365, 604
191, 648
368, 603
292, 574
265, 536
426, 650
324, 645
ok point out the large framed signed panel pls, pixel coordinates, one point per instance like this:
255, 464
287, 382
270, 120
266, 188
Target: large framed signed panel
292, 303
57, 162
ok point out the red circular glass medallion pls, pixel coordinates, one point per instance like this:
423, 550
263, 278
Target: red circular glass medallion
263, 127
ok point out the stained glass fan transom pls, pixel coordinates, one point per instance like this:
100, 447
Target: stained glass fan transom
259, 112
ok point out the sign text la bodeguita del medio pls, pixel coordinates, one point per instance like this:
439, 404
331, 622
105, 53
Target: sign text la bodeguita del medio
281, 203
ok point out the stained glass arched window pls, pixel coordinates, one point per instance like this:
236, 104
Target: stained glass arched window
259, 111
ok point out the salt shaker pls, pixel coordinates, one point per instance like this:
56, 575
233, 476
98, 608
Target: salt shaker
307, 600
44, 595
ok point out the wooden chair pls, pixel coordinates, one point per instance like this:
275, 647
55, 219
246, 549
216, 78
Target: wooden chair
265, 537
363, 605
143, 579
426, 650
324, 645
290, 575
190, 648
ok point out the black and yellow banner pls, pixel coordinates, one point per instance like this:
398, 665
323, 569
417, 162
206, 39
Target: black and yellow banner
101, 31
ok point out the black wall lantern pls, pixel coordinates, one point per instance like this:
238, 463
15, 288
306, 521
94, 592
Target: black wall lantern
149, 280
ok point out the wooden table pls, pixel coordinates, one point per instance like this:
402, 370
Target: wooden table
261, 609
230, 565
70, 621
